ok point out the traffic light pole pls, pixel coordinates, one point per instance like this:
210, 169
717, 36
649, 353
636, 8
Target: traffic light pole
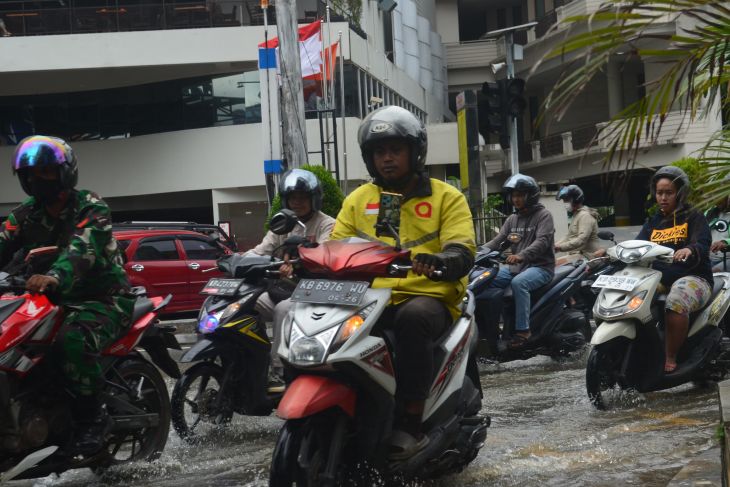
513, 141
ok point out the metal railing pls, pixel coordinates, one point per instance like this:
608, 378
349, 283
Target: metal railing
487, 225
28, 19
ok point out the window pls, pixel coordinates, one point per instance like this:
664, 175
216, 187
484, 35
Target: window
539, 9
156, 250
123, 244
197, 249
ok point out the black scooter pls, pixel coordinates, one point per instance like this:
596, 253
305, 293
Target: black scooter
558, 329
231, 357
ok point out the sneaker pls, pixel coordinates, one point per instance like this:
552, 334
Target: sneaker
276, 381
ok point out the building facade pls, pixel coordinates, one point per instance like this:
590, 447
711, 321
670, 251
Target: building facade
161, 99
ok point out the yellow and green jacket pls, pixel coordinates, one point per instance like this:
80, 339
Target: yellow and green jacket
435, 216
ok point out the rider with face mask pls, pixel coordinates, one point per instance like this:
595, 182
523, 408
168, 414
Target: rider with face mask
582, 237
87, 276
301, 192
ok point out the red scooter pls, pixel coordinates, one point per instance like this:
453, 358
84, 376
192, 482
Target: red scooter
36, 427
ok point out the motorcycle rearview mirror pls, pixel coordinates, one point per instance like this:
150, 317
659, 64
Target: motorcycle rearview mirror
606, 235
388, 222
284, 222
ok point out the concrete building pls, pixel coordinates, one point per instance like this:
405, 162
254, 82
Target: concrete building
565, 149
161, 99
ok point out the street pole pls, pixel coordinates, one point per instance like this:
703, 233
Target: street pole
513, 141
292, 91
342, 108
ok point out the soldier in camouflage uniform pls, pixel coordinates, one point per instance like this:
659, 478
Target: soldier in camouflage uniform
87, 275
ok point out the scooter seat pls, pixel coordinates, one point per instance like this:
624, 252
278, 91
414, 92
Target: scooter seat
141, 307
560, 274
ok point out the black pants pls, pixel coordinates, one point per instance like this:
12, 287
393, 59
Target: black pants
416, 323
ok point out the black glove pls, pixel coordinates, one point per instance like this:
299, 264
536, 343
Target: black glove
434, 260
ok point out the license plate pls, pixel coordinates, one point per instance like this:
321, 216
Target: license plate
621, 283
221, 287
325, 291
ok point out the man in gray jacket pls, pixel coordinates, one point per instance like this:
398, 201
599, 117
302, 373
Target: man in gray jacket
531, 265
582, 237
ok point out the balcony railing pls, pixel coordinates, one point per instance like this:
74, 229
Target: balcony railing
574, 143
25, 18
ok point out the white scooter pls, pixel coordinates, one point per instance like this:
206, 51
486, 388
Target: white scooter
628, 345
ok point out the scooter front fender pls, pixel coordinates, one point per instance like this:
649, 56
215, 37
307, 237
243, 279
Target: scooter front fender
608, 330
203, 349
311, 394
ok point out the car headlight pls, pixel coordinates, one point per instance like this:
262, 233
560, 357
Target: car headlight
632, 303
630, 256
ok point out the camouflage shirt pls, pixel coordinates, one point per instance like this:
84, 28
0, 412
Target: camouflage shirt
89, 265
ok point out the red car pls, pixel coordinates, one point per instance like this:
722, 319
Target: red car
171, 262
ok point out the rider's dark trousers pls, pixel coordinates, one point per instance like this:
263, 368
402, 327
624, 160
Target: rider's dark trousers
417, 324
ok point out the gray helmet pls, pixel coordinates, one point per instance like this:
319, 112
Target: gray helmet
392, 122
300, 180
524, 184
677, 176
571, 192
39, 151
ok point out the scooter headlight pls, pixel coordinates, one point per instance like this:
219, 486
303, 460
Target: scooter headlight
306, 350
210, 322
632, 255
628, 305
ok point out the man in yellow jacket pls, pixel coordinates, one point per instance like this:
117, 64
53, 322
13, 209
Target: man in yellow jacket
435, 224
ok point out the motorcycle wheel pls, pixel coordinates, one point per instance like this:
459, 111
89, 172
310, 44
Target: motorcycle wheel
145, 389
601, 372
301, 453
193, 401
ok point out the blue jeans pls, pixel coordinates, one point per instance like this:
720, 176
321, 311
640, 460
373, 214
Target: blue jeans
522, 284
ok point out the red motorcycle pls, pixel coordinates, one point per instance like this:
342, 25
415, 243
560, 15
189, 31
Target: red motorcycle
36, 427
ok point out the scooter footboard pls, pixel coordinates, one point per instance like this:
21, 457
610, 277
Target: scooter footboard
608, 330
310, 394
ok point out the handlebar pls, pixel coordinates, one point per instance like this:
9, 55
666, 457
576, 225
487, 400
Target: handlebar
398, 268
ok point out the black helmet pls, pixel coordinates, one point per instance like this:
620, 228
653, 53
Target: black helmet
300, 180
677, 176
525, 184
572, 193
39, 151
392, 122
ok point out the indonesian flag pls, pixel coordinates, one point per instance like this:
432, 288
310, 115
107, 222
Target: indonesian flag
310, 51
372, 208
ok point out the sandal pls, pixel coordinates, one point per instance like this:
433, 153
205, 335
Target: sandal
404, 445
518, 341
669, 367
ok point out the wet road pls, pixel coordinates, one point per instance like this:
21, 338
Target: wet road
544, 432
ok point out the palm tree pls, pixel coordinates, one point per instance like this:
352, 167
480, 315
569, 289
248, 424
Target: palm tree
696, 78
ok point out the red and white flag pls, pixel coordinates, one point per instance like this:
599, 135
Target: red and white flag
310, 49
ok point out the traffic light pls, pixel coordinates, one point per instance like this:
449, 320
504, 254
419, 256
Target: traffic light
515, 101
491, 109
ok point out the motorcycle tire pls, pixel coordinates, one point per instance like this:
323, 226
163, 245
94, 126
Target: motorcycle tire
199, 407
149, 394
301, 453
601, 371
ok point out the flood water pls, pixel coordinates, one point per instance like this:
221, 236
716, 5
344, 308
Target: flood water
544, 432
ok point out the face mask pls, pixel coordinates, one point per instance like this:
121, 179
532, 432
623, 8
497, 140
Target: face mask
569, 207
46, 191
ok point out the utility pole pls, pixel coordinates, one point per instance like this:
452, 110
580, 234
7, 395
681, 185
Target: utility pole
294, 133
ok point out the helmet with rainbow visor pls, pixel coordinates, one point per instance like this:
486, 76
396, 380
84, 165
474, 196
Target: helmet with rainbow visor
42, 152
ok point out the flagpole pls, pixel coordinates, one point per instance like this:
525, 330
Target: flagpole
342, 109
268, 177
324, 56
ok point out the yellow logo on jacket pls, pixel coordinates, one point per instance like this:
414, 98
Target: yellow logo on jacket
673, 234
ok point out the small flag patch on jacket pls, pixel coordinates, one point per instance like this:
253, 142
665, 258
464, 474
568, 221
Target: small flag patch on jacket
372, 208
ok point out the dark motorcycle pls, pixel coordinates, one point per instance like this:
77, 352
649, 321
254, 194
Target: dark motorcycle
232, 353
36, 426
558, 329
